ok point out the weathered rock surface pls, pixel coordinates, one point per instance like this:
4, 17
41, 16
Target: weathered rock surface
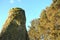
14, 27
48, 24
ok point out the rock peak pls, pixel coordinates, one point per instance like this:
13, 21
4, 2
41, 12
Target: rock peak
15, 11
15, 26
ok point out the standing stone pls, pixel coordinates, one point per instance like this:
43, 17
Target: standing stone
14, 27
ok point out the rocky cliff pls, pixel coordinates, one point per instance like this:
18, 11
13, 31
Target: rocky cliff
48, 26
14, 27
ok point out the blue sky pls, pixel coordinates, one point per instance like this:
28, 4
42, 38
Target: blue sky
32, 9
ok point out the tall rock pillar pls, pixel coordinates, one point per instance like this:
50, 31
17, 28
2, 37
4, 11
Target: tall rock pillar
14, 27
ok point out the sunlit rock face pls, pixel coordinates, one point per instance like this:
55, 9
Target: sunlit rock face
14, 27
47, 27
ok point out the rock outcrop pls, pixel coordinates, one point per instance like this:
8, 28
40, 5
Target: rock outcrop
49, 24
14, 27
